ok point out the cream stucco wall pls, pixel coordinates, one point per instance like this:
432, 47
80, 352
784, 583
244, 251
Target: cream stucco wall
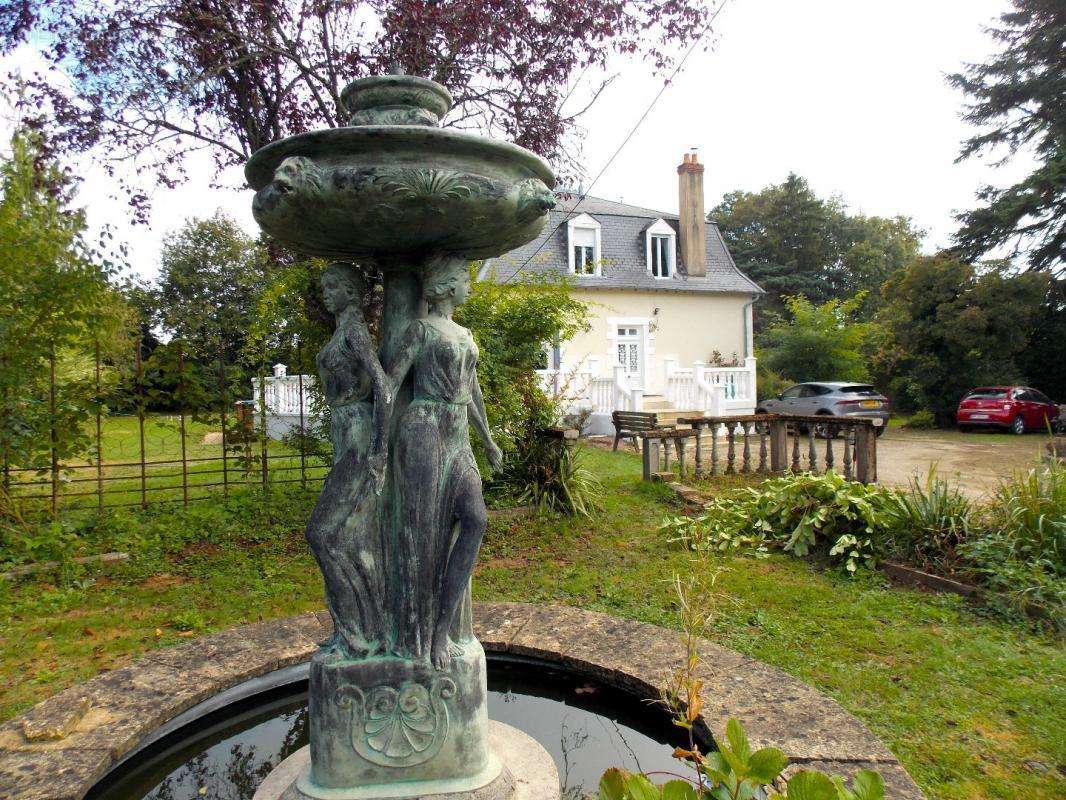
685, 326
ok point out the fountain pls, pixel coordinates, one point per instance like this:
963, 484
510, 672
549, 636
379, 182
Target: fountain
397, 694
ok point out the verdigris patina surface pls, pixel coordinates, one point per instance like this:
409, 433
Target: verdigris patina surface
397, 693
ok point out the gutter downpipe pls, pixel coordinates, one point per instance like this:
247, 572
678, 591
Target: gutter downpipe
748, 333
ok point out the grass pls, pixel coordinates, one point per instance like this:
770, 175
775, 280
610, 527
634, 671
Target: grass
972, 706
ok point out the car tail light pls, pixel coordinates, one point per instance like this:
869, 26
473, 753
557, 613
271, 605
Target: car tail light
847, 402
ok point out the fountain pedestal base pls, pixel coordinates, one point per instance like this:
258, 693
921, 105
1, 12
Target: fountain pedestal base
528, 773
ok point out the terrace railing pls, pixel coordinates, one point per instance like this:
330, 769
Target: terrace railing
765, 444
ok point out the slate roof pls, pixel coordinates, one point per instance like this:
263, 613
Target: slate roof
622, 246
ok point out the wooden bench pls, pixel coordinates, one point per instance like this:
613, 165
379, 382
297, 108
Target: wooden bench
630, 424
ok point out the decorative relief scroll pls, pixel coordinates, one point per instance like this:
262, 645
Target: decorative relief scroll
400, 726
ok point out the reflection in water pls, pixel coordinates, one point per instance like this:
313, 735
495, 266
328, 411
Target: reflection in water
233, 768
587, 728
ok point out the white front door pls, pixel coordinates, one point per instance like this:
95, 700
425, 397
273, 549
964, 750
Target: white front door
630, 345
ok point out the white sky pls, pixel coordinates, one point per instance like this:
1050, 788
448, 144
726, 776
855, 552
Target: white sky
847, 93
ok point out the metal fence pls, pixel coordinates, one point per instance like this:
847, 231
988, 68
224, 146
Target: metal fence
140, 458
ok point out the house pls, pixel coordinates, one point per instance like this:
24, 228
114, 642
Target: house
671, 313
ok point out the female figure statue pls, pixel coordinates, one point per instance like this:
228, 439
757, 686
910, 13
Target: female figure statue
344, 529
441, 515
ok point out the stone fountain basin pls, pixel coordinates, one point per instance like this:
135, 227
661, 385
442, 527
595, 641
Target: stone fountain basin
131, 707
383, 192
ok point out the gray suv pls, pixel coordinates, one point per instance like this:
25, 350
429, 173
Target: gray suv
830, 398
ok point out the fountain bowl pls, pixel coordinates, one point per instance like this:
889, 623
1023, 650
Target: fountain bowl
381, 193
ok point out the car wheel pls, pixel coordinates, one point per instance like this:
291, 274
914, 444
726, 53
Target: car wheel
880, 430
965, 429
1017, 426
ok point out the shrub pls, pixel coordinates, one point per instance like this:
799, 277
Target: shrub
921, 421
800, 514
1021, 548
554, 480
544, 470
928, 522
724, 781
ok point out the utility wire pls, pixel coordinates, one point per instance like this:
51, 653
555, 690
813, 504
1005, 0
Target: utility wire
666, 84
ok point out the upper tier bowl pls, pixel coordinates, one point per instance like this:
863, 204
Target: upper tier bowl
392, 185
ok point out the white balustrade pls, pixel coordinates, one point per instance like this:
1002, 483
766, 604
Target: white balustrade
601, 395
281, 393
711, 390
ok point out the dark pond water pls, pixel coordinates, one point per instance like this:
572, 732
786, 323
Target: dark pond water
587, 727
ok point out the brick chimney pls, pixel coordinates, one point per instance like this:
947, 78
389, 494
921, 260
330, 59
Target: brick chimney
693, 238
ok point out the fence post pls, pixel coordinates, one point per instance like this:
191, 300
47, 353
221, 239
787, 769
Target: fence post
53, 433
140, 422
99, 438
263, 423
181, 418
303, 432
224, 400
778, 446
3, 431
865, 453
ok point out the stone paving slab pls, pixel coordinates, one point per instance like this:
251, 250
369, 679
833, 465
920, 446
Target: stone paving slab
126, 705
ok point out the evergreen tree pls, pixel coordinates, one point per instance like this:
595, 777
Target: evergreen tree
952, 327
1019, 100
793, 243
1041, 362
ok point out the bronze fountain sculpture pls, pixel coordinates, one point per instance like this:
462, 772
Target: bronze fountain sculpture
398, 692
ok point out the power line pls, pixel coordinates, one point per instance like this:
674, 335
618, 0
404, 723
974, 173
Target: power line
680, 65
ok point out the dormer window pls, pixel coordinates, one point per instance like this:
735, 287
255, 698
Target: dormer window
583, 235
661, 249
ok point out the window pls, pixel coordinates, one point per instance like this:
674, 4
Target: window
584, 259
793, 392
661, 245
583, 236
660, 256
1040, 397
987, 393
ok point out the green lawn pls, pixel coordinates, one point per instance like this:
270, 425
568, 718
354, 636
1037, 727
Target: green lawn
973, 706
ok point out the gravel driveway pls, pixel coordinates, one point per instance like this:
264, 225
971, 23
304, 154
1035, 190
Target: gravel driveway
975, 461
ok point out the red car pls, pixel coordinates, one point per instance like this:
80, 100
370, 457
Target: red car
1016, 408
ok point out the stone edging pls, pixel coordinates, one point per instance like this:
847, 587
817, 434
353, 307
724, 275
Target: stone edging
127, 704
